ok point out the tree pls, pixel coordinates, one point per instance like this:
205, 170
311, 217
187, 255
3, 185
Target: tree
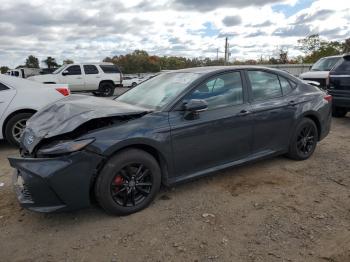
50, 62
315, 48
32, 62
283, 57
346, 48
68, 61
4, 69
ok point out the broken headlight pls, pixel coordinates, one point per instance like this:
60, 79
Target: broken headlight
64, 147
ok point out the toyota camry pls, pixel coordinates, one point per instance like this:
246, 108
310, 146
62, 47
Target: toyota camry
172, 128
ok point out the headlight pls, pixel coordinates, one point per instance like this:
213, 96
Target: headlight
65, 147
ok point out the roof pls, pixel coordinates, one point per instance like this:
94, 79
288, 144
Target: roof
208, 69
17, 82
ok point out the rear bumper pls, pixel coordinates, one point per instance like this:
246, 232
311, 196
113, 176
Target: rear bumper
55, 184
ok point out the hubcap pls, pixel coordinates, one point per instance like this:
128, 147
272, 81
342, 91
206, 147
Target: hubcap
306, 140
131, 185
18, 129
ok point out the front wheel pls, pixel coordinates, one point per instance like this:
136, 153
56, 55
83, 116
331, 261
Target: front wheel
106, 89
128, 183
304, 140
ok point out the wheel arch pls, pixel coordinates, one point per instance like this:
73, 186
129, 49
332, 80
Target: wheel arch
316, 120
106, 81
26, 110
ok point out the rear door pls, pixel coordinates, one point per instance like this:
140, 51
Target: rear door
74, 78
273, 109
219, 135
92, 77
6, 96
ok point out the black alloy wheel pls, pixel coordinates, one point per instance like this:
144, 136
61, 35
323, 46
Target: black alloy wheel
128, 182
304, 140
131, 185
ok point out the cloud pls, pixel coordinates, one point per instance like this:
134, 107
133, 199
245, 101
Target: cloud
256, 34
318, 15
209, 5
264, 24
232, 20
290, 31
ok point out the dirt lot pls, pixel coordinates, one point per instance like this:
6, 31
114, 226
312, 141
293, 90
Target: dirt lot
273, 210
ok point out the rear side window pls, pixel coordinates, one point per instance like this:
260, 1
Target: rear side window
285, 85
90, 70
3, 87
74, 70
220, 91
344, 67
264, 85
110, 69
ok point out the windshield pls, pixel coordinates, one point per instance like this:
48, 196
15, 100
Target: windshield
60, 69
325, 64
158, 91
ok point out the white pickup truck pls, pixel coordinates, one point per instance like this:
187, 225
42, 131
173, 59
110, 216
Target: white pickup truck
23, 72
99, 78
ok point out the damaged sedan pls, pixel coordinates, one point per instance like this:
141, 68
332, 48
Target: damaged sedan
177, 126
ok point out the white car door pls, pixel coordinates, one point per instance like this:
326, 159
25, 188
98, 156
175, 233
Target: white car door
74, 77
92, 77
6, 96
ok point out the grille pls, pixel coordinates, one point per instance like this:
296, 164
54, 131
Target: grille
26, 193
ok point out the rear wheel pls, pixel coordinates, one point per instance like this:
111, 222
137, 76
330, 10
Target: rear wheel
304, 140
105, 89
15, 127
128, 183
133, 84
339, 111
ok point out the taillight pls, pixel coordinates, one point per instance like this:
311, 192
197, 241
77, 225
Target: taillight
328, 98
63, 90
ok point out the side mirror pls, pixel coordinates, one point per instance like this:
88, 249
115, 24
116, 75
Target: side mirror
196, 106
65, 72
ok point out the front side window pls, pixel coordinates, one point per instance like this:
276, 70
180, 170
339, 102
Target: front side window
344, 67
74, 70
264, 85
158, 91
3, 87
220, 91
90, 70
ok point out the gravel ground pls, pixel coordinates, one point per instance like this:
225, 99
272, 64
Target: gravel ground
272, 210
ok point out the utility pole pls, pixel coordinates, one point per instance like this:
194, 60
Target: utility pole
217, 54
226, 50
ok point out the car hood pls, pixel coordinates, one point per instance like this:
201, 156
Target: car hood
314, 74
67, 114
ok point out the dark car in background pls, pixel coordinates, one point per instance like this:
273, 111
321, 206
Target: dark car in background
174, 127
339, 86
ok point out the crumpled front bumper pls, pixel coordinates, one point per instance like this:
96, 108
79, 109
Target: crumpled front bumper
55, 184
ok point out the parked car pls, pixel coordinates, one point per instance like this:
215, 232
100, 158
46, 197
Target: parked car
174, 127
24, 72
100, 79
339, 86
19, 100
319, 72
129, 81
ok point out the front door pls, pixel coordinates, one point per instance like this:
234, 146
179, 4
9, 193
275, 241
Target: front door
72, 76
6, 96
217, 136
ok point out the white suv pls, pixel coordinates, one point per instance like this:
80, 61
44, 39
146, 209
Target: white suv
99, 78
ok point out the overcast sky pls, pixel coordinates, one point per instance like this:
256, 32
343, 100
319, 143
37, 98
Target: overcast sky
88, 31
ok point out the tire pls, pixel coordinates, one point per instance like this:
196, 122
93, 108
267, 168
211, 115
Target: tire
339, 112
106, 89
133, 84
115, 189
304, 140
15, 126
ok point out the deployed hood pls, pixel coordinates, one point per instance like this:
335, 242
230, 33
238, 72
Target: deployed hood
69, 113
314, 74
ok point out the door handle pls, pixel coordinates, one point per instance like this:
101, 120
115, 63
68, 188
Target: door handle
79, 78
244, 112
98, 77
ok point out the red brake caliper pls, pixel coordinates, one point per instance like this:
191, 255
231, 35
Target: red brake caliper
118, 180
